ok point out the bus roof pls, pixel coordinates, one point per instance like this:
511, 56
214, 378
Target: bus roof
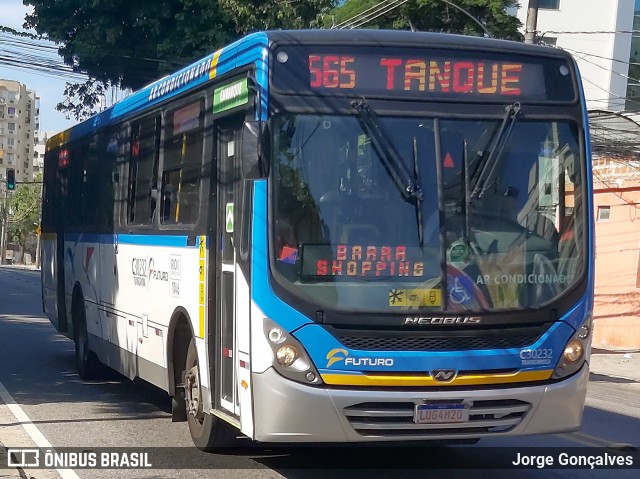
251, 49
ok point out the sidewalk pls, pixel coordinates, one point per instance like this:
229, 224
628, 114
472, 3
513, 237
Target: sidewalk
31, 267
618, 364
8, 473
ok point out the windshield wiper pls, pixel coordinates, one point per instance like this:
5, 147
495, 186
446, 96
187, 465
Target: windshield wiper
419, 199
404, 181
487, 165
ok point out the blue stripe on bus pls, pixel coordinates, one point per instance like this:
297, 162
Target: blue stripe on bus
588, 301
272, 306
318, 342
153, 240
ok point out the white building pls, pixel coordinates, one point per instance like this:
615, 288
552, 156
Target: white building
19, 124
38, 151
599, 35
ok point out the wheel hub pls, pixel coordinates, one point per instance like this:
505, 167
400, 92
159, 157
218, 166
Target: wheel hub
192, 391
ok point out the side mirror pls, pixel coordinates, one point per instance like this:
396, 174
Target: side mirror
254, 150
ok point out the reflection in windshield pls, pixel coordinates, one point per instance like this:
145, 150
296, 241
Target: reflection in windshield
343, 236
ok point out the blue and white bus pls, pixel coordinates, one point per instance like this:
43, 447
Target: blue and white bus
335, 236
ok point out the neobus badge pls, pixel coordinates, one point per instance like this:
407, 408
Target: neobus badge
441, 320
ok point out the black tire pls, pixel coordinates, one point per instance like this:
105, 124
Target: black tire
208, 432
86, 360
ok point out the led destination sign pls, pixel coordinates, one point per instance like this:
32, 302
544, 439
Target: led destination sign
424, 74
445, 76
364, 261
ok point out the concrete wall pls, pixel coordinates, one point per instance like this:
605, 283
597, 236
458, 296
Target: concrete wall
603, 78
617, 295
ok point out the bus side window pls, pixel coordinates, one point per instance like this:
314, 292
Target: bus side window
143, 167
182, 165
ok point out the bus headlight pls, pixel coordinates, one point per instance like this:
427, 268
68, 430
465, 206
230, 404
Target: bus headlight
290, 358
575, 352
286, 355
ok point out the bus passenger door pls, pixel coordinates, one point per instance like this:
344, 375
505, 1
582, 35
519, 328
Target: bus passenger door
224, 374
61, 200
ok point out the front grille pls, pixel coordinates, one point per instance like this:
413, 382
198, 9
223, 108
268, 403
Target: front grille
395, 419
441, 340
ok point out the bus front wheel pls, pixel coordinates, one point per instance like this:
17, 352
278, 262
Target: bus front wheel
208, 432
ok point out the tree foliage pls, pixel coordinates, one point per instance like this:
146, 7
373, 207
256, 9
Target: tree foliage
128, 44
131, 43
81, 98
24, 205
432, 15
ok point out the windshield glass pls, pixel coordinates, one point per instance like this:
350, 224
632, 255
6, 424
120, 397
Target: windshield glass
509, 234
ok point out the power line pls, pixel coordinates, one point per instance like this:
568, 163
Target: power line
345, 23
626, 77
484, 29
391, 7
36, 56
610, 92
40, 57
369, 14
599, 56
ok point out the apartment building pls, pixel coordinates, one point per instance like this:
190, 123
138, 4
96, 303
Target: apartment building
39, 150
599, 35
19, 124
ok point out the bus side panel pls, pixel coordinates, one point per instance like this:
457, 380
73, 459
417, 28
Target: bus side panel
172, 283
129, 295
81, 266
49, 278
153, 279
89, 279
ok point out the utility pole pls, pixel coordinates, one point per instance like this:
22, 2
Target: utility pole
532, 22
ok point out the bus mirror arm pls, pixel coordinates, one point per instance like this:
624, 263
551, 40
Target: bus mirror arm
254, 150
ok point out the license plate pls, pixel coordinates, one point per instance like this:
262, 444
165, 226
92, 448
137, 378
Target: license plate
440, 413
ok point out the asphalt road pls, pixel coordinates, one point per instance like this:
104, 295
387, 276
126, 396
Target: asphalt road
37, 371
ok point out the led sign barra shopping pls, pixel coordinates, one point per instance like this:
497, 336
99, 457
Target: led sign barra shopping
422, 74
360, 260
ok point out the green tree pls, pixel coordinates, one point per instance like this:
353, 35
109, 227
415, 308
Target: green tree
128, 43
24, 206
431, 15
251, 15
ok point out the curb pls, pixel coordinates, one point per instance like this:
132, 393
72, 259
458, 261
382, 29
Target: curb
616, 364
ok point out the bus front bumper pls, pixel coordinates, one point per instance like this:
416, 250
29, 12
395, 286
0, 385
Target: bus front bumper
286, 411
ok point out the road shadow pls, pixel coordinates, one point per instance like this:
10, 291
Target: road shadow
37, 366
610, 379
620, 352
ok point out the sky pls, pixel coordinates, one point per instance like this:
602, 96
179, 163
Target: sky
49, 88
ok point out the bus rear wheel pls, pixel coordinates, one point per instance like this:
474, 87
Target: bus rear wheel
208, 432
86, 360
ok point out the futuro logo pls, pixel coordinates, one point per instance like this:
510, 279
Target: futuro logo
336, 355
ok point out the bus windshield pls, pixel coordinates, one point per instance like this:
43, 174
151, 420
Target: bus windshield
498, 226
